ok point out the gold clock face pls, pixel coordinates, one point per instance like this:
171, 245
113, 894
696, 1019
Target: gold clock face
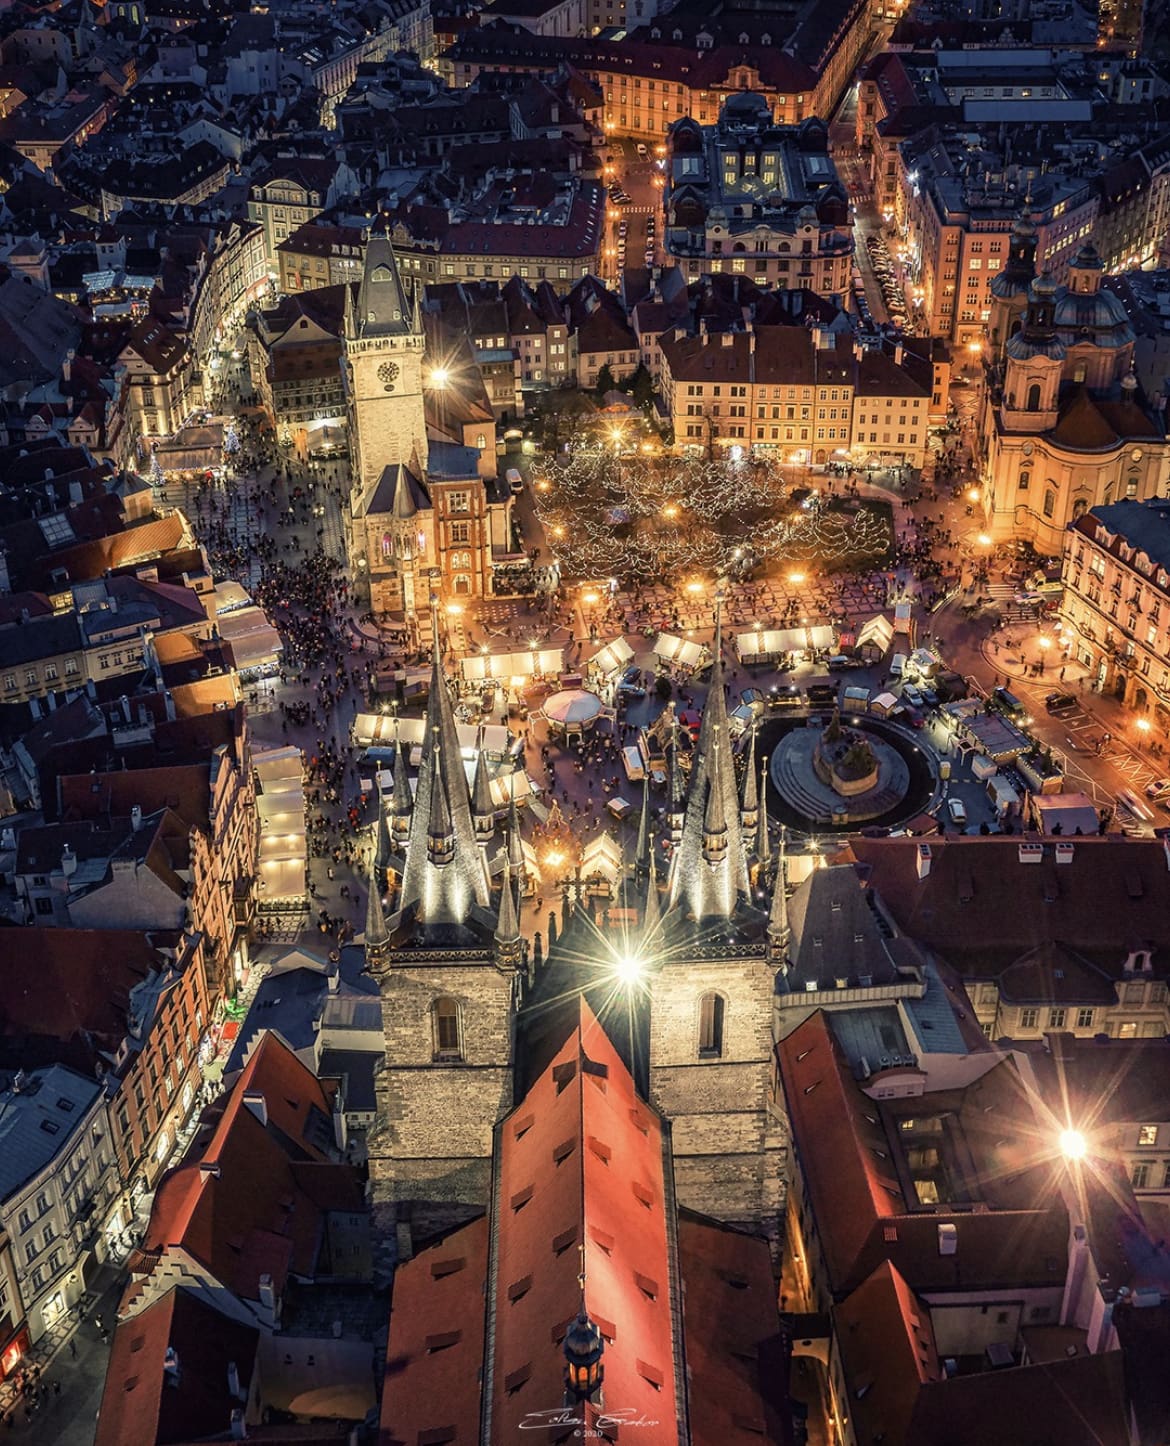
388, 375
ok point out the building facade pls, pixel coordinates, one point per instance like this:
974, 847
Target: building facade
1064, 427
753, 198
1115, 608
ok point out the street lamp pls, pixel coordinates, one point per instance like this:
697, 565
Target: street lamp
1073, 1145
628, 968
984, 540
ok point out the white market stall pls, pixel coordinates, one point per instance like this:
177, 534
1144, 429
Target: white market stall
511, 669
378, 731
680, 653
255, 645
280, 806
612, 657
768, 644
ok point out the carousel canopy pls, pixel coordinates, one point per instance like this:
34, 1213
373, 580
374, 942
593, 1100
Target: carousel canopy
573, 706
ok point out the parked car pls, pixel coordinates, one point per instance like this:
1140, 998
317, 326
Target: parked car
515, 481
1061, 702
957, 810
1010, 705
911, 695
1158, 790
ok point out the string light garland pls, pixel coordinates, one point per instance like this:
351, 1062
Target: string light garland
642, 518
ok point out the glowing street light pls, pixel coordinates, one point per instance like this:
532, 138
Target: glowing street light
694, 587
591, 599
440, 376
1073, 1145
453, 610
984, 540
1143, 726
796, 577
973, 494
628, 968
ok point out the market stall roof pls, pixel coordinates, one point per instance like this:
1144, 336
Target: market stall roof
876, 631
496, 667
573, 705
1070, 810
376, 730
282, 879
775, 641
250, 637
614, 655
230, 595
679, 650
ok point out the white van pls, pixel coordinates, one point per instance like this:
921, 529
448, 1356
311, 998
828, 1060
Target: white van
897, 664
632, 761
642, 148
514, 481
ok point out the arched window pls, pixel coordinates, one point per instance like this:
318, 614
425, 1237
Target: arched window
1034, 397
1025, 480
710, 1026
448, 1029
1049, 502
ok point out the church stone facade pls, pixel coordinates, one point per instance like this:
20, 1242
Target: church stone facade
469, 1011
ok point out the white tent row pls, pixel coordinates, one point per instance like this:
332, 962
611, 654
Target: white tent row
280, 805
377, 730
775, 642
498, 667
614, 655
679, 650
251, 638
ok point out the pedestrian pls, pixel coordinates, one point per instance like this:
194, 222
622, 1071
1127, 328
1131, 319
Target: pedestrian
56, 1388
72, 1348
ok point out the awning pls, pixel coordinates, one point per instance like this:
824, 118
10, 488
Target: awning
614, 655
376, 730
679, 650
250, 637
503, 667
876, 632
774, 642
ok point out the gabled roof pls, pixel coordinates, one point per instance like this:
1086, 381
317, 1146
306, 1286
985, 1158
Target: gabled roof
249, 1197
145, 1403
396, 492
981, 907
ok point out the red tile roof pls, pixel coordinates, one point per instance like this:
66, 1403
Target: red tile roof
887, 1348
736, 1357
142, 1406
185, 788
857, 1176
66, 993
434, 1358
982, 909
245, 1201
581, 1163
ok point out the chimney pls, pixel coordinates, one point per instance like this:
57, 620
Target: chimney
136, 817
1166, 851
68, 861
1031, 853
233, 1375
67, 365
948, 1239
1064, 853
171, 1372
924, 857
239, 1428
333, 980
209, 1169
898, 352
268, 1294
255, 1101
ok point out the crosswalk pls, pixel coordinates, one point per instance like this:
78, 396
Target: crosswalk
1003, 599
